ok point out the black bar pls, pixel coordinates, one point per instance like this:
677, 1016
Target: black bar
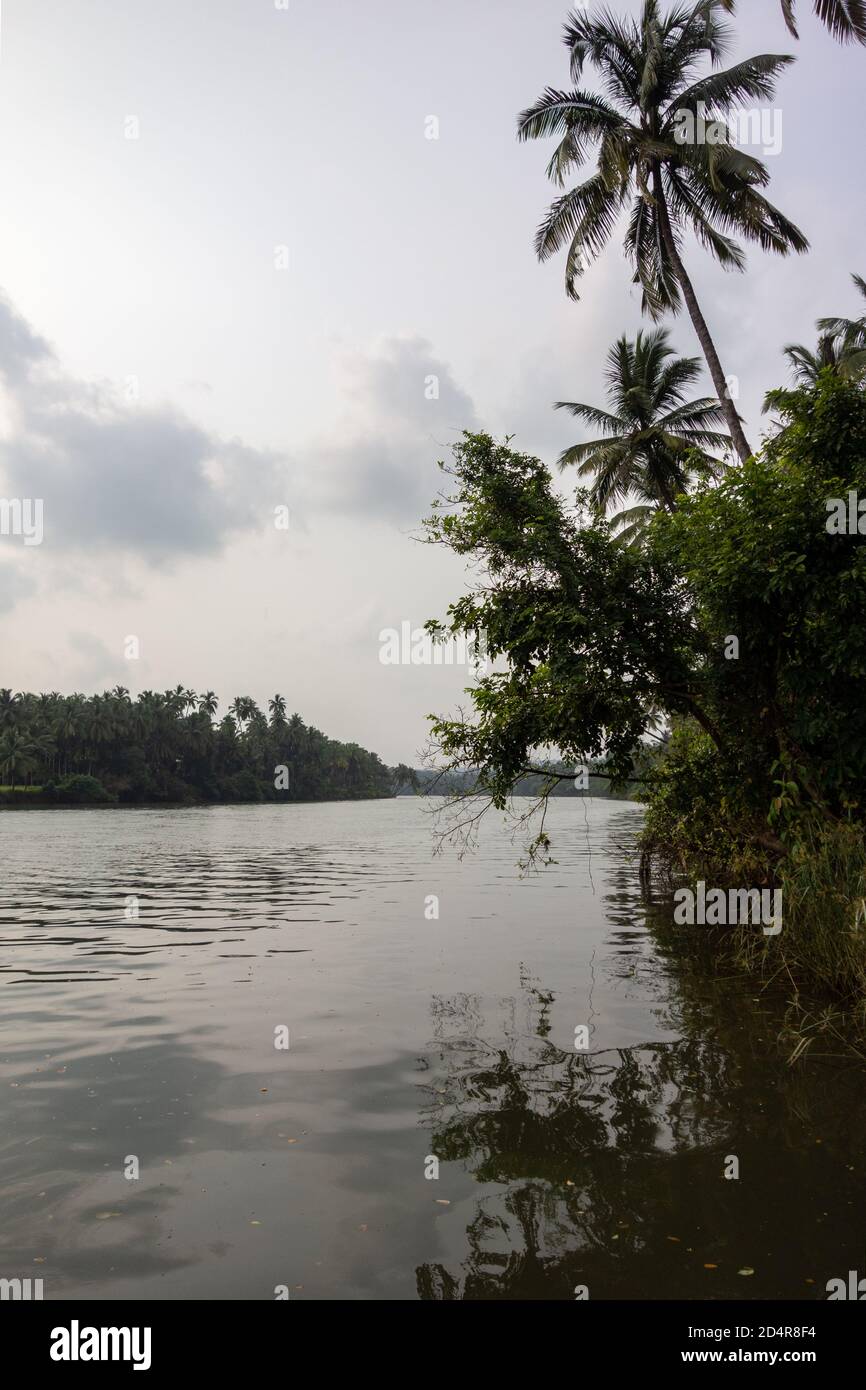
236, 1338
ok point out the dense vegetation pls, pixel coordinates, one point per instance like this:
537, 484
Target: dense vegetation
168, 747
709, 639
737, 626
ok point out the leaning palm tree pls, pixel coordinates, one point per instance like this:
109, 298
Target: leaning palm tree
660, 154
846, 19
653, 442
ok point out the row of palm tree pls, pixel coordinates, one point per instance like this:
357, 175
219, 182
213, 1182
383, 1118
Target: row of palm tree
169, 745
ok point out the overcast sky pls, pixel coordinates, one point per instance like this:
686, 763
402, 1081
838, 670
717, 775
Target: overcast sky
231, 261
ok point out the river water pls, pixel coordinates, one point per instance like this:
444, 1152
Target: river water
153, 1044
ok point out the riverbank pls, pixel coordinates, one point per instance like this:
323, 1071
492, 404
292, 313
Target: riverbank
90, 792
818, 954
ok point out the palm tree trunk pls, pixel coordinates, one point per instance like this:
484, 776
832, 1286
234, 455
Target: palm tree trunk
708, 347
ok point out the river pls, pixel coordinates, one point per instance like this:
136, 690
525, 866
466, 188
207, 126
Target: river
159, 1140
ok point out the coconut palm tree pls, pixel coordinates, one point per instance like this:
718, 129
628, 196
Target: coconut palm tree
659, 154
66, 728
176, 700
844, 357
244, 709
208, 703
807, 365
653, 441
18, 755
277, 710
10, 708
43, 751
841, 357
846, 19
851, 331
841, 347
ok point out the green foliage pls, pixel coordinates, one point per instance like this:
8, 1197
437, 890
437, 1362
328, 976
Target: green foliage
760, 565
597, 641
699, 821
81, 790
240, 786
593, 631
405, 776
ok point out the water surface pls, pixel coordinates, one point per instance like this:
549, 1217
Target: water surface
411, 1038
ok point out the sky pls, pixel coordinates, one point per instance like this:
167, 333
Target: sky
241, 281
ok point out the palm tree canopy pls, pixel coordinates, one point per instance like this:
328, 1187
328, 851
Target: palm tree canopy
852, 329
841, 348
806, 365
650, 69
842, 357
846, 19
653, 440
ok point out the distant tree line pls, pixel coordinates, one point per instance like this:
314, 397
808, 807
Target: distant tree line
556, 780
171, 747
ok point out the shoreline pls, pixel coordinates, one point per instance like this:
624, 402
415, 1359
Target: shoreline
38, 803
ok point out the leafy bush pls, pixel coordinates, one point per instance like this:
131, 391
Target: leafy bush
82, 790
699, 818
787, 714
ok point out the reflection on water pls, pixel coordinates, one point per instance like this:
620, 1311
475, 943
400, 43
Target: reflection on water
153, 1037
607, 1170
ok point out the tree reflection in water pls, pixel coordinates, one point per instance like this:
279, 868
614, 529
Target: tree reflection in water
606, 1169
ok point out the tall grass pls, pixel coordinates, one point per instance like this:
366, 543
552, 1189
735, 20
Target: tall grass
822, 945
